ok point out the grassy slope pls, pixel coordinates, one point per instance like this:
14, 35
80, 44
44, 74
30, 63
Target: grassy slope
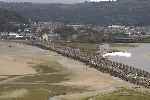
146, 40
122, 94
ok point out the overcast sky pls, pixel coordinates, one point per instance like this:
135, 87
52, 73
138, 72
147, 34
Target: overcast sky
46, 1
51, 1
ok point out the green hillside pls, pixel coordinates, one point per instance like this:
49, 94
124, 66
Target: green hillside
127, 12
9, 20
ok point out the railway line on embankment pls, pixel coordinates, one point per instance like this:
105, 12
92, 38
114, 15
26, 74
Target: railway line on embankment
125, 72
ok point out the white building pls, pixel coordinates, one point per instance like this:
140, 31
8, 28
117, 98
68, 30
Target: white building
14, 35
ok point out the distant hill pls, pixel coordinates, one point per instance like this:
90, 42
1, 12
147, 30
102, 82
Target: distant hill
128, 12
8, 18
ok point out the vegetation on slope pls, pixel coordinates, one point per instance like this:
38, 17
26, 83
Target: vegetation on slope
122, 94
9, 20
128, 12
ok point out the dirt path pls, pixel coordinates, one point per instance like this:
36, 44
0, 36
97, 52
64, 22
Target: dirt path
8, 80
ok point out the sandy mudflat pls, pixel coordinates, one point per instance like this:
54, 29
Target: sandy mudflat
17, 59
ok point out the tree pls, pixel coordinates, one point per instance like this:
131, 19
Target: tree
66, 32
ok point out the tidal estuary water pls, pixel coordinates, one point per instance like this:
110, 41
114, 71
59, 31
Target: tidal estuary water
140, 56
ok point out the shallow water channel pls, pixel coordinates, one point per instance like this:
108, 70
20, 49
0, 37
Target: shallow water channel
140, 55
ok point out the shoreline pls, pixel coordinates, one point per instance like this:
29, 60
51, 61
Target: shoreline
81, 76
117, 71
85, 76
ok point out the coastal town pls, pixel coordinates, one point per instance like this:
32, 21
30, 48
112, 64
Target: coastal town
74, 50
50, 31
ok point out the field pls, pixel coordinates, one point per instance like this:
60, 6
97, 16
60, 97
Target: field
146, 40
92, 47
123, 46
